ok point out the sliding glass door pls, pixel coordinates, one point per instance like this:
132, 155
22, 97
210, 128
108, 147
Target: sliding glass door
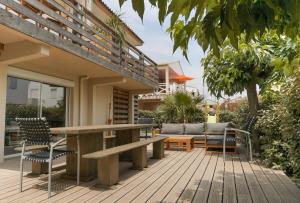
27, 98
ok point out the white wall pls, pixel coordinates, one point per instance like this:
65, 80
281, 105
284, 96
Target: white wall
102, 96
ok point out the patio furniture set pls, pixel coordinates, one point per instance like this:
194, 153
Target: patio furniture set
212, 136
83, 146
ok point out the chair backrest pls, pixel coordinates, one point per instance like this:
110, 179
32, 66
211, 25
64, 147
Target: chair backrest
250, 123
145, 120
34, 131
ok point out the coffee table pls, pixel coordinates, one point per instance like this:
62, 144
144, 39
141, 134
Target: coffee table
182, 142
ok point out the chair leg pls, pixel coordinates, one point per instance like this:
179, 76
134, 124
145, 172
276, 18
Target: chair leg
49, 178
21, 173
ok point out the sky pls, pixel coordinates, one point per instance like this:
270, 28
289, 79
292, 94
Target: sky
157, 42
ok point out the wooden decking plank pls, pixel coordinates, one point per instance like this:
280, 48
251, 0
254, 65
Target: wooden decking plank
257, 193
145, 189
290, 185
119, 192
15, 189
94, 193
266, 186
181, 176
282, 191
203, 189
242, 190
191, 188
178, 188
229, 194
216, 190
68, 189
87, 193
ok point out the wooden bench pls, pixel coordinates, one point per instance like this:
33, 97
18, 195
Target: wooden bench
108, 159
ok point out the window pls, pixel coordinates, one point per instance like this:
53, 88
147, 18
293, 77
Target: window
27, 98
13, 83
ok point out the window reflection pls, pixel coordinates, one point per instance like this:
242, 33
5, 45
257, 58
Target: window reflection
27, 98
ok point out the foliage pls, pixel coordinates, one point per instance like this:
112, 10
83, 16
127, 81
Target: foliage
227, 116
279, 128
115, 23
258, 62
14, 110
181, 107
152, 114
211, 22
55, 115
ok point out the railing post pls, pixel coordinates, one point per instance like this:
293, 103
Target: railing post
142, 64
121, 53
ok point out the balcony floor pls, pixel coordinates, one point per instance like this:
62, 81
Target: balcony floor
180, 177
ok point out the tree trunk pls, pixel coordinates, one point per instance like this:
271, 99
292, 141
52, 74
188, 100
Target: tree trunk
252, 97
253, 107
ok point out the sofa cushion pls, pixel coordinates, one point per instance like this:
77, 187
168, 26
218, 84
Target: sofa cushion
174, 129
198, 137
218, 140
193, 128
217, 128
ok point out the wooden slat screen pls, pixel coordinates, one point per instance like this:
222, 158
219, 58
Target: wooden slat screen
121, 106
136, 108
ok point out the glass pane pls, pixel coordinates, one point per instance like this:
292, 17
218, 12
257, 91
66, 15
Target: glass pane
54, 105
23, 99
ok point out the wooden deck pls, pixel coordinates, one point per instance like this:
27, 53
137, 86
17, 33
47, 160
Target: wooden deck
180, 177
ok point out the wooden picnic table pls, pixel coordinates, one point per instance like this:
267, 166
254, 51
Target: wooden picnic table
91, 140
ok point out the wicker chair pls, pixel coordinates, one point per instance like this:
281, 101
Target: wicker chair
36, 131
247, 137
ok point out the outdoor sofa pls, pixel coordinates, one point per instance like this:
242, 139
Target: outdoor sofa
208, 135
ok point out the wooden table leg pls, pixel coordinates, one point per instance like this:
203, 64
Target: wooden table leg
126, 137
108, 170
39, 168
158, 150
88, 143
139, 158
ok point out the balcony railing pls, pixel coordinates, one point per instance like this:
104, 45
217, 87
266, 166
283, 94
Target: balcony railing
163, 91
73, 22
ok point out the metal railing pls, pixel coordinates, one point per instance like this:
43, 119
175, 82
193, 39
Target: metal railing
73, 22
163, 91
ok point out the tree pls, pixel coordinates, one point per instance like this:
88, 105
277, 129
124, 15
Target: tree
181, 107
258, 62
211, 22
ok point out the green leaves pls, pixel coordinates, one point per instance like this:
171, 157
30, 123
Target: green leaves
181, 107
138, 6
211, 22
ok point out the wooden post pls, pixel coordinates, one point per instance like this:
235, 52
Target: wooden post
39, 168
108, 170
126, 137
158, 150
139, 158
88, 143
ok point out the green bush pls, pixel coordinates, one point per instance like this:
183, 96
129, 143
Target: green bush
228, 116
181, 107
278, 126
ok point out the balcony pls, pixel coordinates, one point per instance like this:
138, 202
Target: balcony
81, 33
164, 91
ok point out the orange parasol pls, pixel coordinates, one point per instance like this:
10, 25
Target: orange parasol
183, 78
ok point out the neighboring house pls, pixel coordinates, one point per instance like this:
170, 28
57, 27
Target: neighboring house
63, 52
171, 80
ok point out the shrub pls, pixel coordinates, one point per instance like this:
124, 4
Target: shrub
279, 128
228, 116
